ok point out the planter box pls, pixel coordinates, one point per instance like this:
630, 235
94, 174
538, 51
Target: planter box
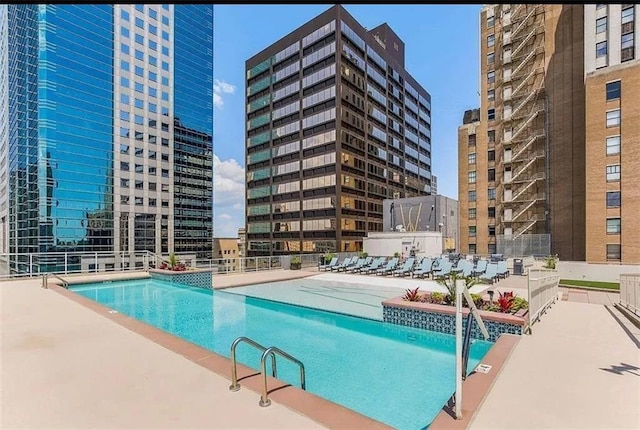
442, 318
201, 278
295, 266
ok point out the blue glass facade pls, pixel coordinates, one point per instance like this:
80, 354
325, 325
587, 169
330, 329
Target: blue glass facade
62, 134
76, 126
193, 128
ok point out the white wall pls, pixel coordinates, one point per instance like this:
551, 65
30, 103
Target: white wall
387, 244
579, 270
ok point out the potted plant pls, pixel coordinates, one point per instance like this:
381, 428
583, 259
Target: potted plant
295, 263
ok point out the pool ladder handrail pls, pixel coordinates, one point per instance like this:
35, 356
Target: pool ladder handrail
45, 282
266, 352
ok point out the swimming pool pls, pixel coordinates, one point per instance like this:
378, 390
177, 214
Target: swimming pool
398, 375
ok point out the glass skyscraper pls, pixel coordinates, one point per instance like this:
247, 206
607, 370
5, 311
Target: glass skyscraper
95, 100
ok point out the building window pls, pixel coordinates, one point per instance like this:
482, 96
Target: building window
472, 213
613, 145
601, 25
601, 49
491, 194
491, 135
491, 212
472, 177
472, 231
491, 77
491, 114
491, 40
491, 58
613, 118
491, 95
472, 140
491, 155
472, 158
628, 15
613, 252
490, 21
613, 173
613, 90
492, 232
472, 195
627, 46
613, 226
613, 199
491, 248
472, 248
491, 174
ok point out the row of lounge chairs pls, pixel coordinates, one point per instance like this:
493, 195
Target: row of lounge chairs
437, 268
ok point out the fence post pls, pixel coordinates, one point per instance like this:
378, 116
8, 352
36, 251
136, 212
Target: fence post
66, 262
96, 262
30, 264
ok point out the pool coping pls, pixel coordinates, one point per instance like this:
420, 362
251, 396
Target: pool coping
322, 411
476, 387
325, 412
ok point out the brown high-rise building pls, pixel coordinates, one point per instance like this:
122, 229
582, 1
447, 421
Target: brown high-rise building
557, 140
521, 159
335, 125
612, 81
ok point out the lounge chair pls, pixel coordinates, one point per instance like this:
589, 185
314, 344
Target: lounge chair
481, 267
467, 268
490, 274
346, 263
406, 268
423, 269
375, 265
326, 267
502, 270
362, 262
389, 268
443, 270
354, 262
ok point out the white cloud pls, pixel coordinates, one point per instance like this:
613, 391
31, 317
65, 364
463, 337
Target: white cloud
228, 181
220, 88
228, 187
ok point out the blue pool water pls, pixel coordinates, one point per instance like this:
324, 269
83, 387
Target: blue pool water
398, 375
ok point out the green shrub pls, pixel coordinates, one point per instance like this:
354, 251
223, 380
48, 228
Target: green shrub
550, 262
519, 303
436, 298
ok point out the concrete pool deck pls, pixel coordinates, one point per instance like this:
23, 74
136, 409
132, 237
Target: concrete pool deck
65, 366
359, 295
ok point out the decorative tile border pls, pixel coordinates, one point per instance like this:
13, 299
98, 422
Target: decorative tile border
442, 319
202, 278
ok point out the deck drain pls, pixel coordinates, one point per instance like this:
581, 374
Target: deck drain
113, 311
483, 368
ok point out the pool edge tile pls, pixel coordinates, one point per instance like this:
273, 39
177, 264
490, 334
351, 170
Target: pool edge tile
322, 411
477, 386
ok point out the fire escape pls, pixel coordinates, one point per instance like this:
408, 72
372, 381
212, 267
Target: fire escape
524, 120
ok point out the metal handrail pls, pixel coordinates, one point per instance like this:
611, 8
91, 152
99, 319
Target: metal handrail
234, 369
45, 283
264, 398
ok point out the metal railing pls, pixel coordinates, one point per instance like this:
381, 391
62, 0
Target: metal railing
264, 398
235, 386
272, 351
20, 265
45, 280
542, 291
630, 292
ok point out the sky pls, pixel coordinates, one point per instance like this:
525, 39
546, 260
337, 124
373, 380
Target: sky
441, 53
